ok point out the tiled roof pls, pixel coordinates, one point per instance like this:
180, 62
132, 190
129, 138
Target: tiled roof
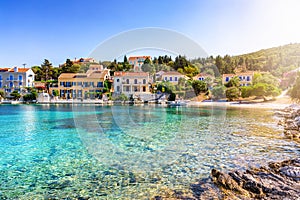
137, 57
22, 70
240, 74
131, 74
172, 73
67, 75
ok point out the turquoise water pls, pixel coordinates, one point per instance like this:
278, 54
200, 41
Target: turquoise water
128, 152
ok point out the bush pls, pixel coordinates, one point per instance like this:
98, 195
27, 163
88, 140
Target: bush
295, 91
31, 96
218, 92
2, 94
232, 93
121, 97
15, 94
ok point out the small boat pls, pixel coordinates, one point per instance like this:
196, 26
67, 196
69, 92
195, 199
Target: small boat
176, 103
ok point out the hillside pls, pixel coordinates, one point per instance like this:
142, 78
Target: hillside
276, 60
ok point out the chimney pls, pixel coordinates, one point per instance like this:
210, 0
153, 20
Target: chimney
15, 69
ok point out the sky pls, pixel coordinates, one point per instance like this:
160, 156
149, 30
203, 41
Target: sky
34, 30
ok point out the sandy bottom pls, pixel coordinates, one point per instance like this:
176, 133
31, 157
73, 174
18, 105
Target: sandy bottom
279, 103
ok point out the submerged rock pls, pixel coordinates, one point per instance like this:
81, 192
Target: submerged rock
280, 180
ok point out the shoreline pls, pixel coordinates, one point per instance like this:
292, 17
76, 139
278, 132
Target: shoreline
250, 105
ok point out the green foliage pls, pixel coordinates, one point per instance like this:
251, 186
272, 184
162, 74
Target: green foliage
218, 92
70, 67
246, 91
2, 94
46, 69
107, 86
147, 67
265, 78
295, 91
233, 82
172, 97
147, 61
121, 97
15, 94
232, 93
166, 86
199, 86
31, 96
55, 93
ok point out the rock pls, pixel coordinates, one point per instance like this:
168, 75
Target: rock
278, 180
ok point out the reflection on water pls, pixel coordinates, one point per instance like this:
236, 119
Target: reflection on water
128, 151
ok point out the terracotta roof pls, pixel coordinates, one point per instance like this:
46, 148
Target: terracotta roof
22, 70
137, 57
240, 74
67, 75
131, 74
172, 73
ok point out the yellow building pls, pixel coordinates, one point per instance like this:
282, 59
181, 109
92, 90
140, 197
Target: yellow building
82, 85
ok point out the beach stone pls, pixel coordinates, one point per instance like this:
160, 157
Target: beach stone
278, 180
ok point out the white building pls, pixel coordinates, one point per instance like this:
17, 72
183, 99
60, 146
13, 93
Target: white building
15, 78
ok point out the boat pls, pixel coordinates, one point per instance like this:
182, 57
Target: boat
176, 103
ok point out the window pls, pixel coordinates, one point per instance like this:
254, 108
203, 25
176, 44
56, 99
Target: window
20, 77
240, 78
166, 78
118, 88
11, 84
227, 79
92, 84
61, 84
135, 88
79, 83
0, 84
171, 78
176, 78
127, 81
11, 77
0, 78
20, 83
74, 83
248, 78
144, 81
118, 80
135, 81
100, 84
127, 88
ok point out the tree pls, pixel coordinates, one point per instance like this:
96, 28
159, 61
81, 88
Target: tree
15, 94
38, 73
246, 91
218, 92
55, 93
232, 93
233, 82
199, 86
295, 91
70, 67
125, 60
265, 78
147, 61
2, 94
46, 68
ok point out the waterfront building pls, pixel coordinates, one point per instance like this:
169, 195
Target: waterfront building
15, 79
246, 78
203, 76
172, 76
137, 62
132, 83
87, 85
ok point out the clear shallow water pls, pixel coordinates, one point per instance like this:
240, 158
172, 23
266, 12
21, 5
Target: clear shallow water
128, 152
